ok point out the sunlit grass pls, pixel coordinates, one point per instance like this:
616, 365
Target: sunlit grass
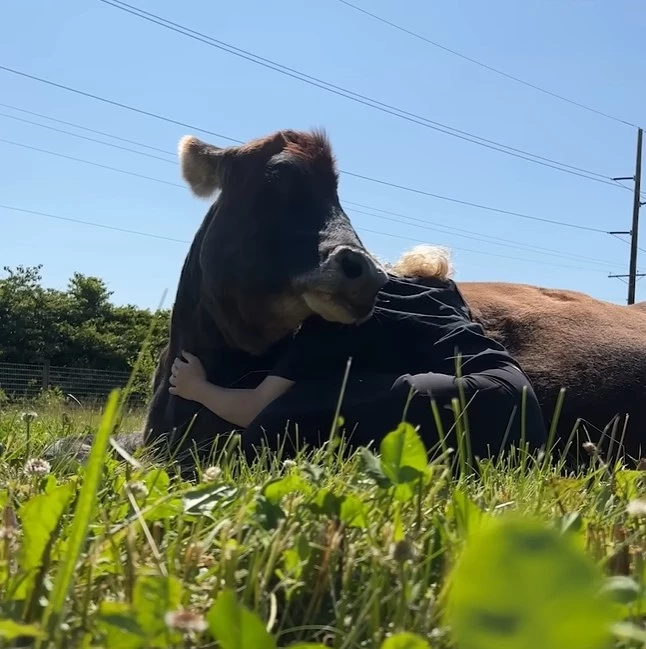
341, 552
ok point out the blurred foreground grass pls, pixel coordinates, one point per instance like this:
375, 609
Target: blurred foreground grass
382, 550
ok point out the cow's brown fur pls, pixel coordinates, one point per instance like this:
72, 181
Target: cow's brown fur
206, 170
564, 339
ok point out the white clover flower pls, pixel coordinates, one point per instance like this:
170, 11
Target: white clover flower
636, 508
37, 467
212, 474
186, 621
138, 489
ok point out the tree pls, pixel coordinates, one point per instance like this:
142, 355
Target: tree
78, 327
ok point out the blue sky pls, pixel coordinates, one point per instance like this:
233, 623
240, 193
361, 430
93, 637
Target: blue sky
591, 52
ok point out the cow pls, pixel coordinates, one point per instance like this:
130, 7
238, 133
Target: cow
594, 350
274, 247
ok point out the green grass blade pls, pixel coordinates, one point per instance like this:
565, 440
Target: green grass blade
82, 515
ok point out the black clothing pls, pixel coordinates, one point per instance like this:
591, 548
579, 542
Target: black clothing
418, 326
419, 331
417, 335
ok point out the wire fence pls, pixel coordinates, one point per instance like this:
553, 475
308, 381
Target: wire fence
22, 381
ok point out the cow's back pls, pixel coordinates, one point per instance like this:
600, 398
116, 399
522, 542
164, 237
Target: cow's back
594, 349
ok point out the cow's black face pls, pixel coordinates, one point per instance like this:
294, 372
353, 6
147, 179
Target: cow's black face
320, 257
278, 246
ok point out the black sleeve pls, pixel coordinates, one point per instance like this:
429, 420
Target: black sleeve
318, 346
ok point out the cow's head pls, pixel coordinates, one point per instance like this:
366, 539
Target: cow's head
276, 246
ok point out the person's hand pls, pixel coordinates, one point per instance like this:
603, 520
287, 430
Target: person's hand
187, 377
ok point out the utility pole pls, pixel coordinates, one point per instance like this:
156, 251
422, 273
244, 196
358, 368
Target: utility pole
634, 231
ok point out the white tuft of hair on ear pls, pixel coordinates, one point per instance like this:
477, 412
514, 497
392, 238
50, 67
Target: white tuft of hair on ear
199, 163
425, 261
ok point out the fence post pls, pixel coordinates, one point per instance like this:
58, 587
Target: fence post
46, 374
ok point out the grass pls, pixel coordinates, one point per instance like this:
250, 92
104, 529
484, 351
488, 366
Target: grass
383, 549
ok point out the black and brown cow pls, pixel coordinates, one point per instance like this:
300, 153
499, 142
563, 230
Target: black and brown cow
274, 247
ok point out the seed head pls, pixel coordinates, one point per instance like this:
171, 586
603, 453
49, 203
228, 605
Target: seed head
590, 448
636, 508
138, 489
37, 467
186, 621
212, 474
289, 464
28, 416
7, 533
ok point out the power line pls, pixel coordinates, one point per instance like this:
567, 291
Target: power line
477, 205
426, 225
481, 252
514, 244
174, 162
470, 234
359, 98
345, 172
115, 103
89, 139
616, 236
484, 65
90, 162
85, 128
155, 116
379, 232
93, 224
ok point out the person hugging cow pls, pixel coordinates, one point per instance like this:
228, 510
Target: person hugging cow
278, 294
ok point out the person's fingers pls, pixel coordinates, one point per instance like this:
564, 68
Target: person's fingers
172, 390
188, 356
173, 379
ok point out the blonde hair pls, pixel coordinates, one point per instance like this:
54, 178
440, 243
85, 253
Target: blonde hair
424, 261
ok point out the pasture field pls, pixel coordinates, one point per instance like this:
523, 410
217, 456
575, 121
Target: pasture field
382, 549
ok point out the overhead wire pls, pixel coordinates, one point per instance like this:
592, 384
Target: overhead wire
115, 103
90, 162
616, 236
486, 66
85, 128
379, 181
440, 229
417, 221
379, 232
584, 173
357, 97
85, 137
469, 234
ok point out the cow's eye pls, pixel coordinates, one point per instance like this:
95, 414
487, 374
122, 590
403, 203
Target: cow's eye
286, 180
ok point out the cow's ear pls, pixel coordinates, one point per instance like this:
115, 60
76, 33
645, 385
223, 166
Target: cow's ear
203, 165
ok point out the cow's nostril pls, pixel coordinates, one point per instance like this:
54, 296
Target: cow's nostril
352, 266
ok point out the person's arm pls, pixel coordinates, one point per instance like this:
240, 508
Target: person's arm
238, 406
